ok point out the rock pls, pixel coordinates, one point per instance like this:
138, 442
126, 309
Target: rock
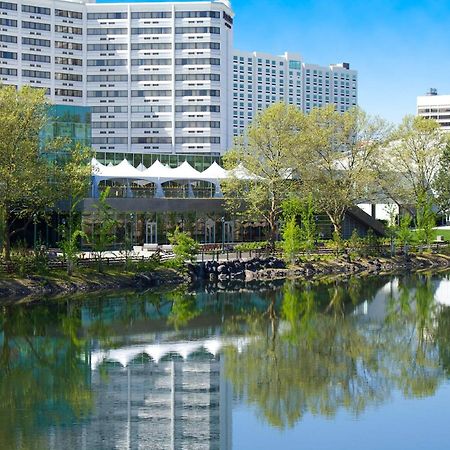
213, 277
249, 275
237, 275
222, 269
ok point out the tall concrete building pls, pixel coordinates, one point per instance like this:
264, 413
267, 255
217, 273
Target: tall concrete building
434, 106
161, 78
156, 75
261, 79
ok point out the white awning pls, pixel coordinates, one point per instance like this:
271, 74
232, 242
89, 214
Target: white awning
214, 172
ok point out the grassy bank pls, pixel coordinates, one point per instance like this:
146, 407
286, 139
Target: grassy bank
85, 280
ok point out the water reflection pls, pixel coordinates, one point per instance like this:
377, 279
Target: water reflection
163, 370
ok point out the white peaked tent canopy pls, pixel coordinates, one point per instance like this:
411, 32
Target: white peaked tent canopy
159, 173
97, 167
186, 172
214, 172
241, 173
123, 170
157, 170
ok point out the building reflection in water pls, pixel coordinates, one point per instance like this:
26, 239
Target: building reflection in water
179, 399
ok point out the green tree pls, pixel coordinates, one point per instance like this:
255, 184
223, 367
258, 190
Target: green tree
441, 182
408, 166
26, 191
291, 242
184, 247
73, 176
104, 226
425, 220
404, 233
308, 227
340, 152
264, 152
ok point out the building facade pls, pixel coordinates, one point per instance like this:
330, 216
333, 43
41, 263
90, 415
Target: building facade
156, 75
161, 78
434, 106
261, 79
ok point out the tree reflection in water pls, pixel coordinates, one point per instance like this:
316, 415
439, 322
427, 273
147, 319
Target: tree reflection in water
307, 352
316, 356
32, 367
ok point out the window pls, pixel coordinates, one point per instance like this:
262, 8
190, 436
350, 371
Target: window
151, 46
36, 42
151, 15
198, 30
151, 140
198, 140
148, 30
151, 93
107, 15
151, 62
68, 93
107, 78
109, 140
35, 74
151, 108
8, 55
159, 124
8, 22
35, 10
197, 77
7, 38
106, 62
198, 124
7, 71
109, 109
36, 26
197, 93
197, 45
68, 30
68, 61
197, 108
68, 45
109, 125
7, 5
105, 31
68, 76
197, 61
106, 47
36, 58
68, 14
152, 77
99, 94
197, 14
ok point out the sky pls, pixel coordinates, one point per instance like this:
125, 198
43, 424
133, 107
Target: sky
400, 48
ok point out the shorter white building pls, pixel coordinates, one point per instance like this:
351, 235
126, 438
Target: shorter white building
262, 79
434, 106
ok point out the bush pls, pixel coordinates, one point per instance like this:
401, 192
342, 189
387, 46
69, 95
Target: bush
249, 246
184, 247
291, 240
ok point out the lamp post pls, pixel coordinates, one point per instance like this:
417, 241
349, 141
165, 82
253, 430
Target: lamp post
34, 231
222, 219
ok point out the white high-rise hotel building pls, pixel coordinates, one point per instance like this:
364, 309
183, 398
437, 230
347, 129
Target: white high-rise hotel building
160, 77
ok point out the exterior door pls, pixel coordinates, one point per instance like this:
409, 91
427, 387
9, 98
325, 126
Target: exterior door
228, 232
151, 232
210, 232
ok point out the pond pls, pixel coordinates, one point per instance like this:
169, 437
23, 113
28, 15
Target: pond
360, 363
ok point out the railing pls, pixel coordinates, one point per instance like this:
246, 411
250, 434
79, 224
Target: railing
84, 262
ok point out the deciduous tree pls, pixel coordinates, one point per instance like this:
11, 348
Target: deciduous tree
265, 152
340, 150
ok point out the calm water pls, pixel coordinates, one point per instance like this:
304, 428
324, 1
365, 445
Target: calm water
362, 364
